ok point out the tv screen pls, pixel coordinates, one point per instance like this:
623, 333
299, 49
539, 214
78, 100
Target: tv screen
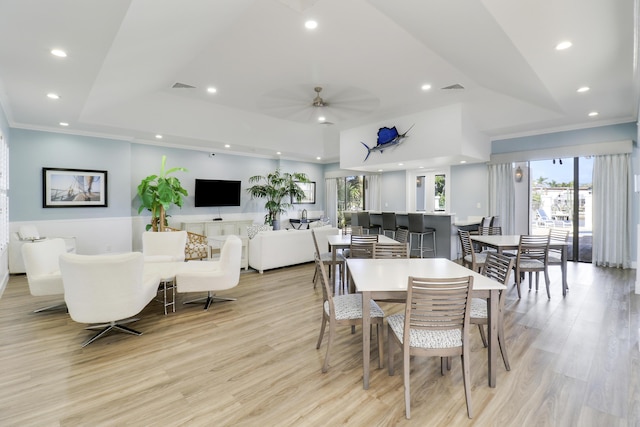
215, 192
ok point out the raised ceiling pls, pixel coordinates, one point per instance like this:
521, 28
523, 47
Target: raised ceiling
140, 68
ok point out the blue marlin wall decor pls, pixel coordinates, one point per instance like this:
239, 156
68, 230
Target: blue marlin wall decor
387, 138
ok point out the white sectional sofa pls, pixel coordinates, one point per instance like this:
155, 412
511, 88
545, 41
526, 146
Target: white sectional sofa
273, 249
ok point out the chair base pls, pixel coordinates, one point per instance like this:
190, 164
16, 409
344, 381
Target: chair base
106, 327
208, 300
60, 306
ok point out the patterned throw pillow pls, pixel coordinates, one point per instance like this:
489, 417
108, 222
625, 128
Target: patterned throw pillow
252, 230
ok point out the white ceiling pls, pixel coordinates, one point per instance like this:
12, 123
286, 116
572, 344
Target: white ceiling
370, 57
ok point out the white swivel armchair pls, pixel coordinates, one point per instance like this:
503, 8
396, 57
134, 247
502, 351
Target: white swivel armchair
164, 246
211, 276
106, 290
41, 261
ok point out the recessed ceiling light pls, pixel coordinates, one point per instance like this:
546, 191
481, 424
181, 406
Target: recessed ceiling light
322, 119
212, 89
583, 89
420, 167
426, 87
564, 45
158, 136
400, 164
379, 170
593, 114
311, 25
59, 52
53, 96
278, 153
227, 146
64, 124
318, 158
463, 161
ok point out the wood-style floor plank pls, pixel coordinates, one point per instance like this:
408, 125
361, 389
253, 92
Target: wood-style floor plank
574, 360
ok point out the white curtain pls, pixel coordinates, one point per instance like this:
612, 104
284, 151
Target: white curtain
331, 200
611, 210
502, 196
372, 192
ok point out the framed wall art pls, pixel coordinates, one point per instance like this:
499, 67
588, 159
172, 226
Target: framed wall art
73, 188
309, 189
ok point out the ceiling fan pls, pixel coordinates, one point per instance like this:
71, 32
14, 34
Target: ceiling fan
337, 104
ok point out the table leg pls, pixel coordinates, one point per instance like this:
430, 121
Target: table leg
366, 337
333, 265
492, 351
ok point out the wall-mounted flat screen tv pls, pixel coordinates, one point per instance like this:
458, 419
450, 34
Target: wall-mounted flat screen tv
216, 192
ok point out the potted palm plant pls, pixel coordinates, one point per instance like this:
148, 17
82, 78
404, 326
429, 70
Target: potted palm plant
158, 192
277, 187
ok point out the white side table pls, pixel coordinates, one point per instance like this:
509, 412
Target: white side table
216, 242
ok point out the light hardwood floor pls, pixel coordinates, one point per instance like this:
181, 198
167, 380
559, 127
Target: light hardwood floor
253, 362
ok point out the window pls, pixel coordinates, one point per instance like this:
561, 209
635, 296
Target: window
350, 197
430, 191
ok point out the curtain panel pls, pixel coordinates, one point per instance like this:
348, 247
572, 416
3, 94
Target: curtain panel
331, 199
502, 195
612, 211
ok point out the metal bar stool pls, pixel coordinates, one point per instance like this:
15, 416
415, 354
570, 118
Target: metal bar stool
389, 223
418, 227
364, 221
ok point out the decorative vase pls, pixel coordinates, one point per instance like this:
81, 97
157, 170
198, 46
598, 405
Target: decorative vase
276, 224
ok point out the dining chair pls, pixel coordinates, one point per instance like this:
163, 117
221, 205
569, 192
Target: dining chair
555, 255
390, 250
362, 246
533, 256
353, 230
497, 267
326, 258
488, 231
417, 227
389, 224
344, 310
470, 258
402, 235
435, 323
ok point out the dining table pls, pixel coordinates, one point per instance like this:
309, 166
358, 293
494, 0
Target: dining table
388, 279
511, 242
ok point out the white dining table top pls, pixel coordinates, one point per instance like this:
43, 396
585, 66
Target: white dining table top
388, 275
345, 239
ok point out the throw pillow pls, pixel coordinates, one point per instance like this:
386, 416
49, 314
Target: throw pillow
252, 230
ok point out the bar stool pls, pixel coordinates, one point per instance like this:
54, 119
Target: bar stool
389, 223
364, 222
418, 227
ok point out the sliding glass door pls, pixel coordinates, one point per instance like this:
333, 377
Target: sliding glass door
561, 198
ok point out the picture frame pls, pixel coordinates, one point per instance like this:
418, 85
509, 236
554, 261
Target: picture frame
73, 188
309, 189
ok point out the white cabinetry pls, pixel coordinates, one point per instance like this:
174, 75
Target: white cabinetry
217, 228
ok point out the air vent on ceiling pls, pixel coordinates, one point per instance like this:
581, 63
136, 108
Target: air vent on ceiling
178, 85
456, 86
